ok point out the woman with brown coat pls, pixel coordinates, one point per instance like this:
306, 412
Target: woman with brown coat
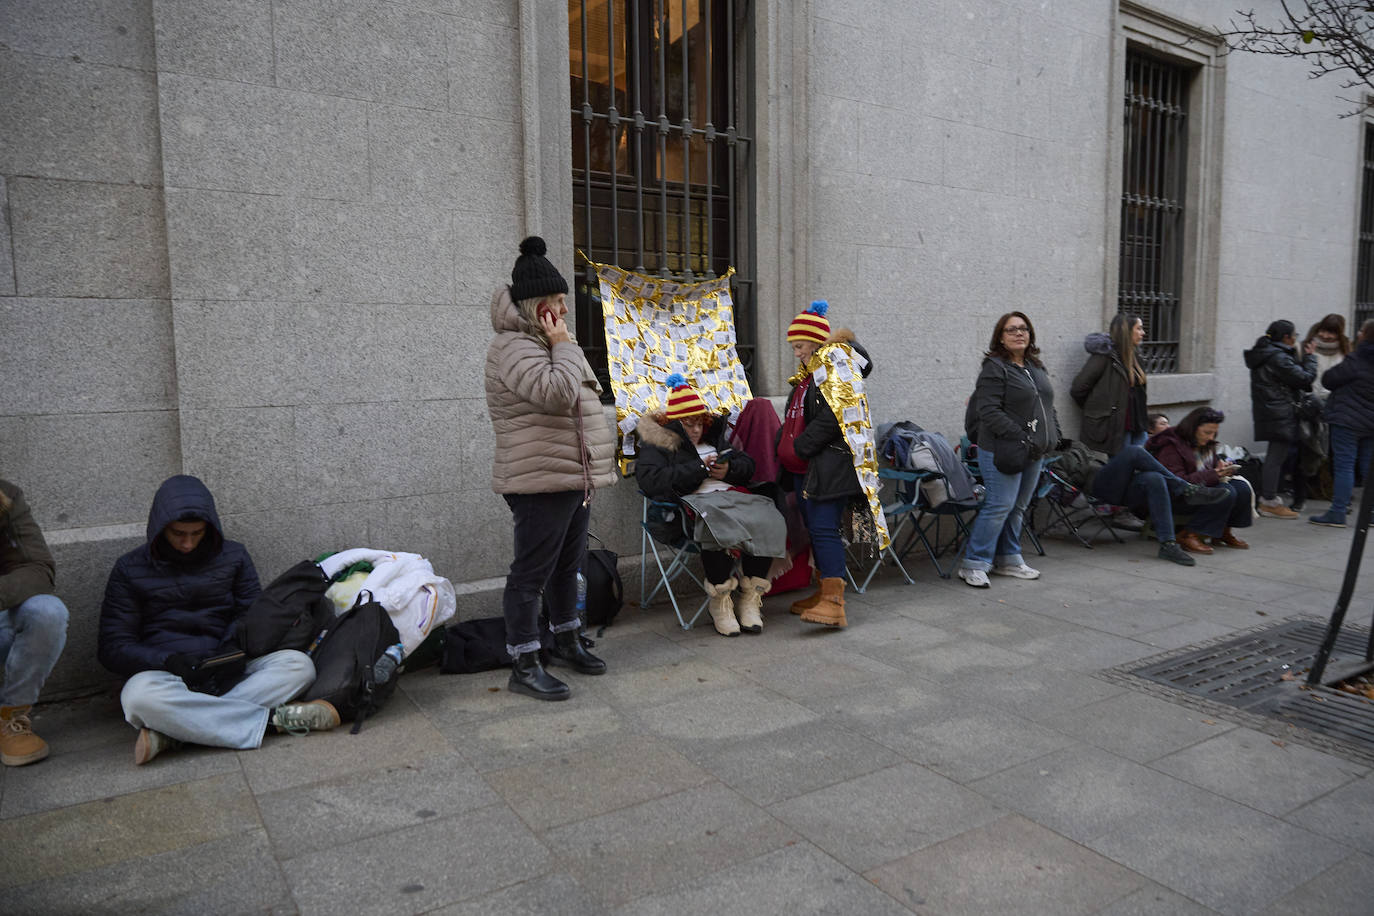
553, 449
1111, 387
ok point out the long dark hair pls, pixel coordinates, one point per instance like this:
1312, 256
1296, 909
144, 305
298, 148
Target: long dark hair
1122, 334
1187, 427
1333, 324
996, 348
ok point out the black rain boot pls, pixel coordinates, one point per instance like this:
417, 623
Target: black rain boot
527, 676
569, 650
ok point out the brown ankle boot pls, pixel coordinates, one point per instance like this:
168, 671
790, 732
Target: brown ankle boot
805, 604
1190, 542
829, 610
18, 744
1228, 539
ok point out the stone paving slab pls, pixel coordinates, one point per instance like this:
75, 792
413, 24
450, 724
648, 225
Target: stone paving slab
953, 750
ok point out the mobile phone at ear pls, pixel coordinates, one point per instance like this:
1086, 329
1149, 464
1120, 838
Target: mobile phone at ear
546, 312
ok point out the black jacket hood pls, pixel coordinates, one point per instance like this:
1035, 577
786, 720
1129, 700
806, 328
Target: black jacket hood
179, 499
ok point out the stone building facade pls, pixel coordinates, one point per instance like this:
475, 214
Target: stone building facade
255, 240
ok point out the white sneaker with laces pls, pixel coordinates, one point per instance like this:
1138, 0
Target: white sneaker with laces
975, 577
1017, 572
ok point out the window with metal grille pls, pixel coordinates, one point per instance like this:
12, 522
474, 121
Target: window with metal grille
662, 165
1154, 166
1364, 265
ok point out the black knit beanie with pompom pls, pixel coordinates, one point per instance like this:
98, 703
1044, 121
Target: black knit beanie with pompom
534, 275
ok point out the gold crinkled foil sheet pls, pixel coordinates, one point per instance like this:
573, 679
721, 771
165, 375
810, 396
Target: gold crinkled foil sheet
836, 370
657, 326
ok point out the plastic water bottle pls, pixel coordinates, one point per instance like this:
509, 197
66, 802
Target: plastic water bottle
387, 664
581, 597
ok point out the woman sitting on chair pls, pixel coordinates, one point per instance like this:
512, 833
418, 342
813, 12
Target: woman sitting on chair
1189, 450
684, 452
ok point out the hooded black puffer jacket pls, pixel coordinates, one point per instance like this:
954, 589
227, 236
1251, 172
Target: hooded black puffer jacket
1351, 383
668, 466
1277, 380
159, 602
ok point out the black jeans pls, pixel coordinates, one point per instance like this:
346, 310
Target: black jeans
1272, 469
550, 545
718, 564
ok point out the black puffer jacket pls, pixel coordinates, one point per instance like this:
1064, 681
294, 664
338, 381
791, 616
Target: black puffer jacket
830, 470
159, 602
1012, 402
668, 466
1277, 380
1351, 383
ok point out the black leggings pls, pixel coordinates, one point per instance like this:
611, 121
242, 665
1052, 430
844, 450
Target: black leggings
718, 564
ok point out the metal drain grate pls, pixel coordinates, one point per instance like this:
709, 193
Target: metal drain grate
1245, 673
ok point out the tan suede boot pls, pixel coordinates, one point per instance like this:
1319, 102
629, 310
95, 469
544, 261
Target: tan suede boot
805, 604
18, 744
829, 611
751, 592
721, 607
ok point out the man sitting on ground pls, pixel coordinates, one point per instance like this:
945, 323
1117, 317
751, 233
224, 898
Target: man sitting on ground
33, 626
168, 622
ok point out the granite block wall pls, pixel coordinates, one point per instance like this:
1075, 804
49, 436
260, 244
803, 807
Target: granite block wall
255, 240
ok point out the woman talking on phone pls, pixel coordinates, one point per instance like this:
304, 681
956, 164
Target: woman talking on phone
553, 449
1189, 450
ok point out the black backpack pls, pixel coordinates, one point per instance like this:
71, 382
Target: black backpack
288, 614
605, 591
345, 659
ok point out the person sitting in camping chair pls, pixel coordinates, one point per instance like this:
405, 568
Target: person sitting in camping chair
685, 457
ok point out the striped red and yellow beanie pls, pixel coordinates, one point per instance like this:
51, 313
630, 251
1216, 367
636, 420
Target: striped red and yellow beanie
811, 324
683, 399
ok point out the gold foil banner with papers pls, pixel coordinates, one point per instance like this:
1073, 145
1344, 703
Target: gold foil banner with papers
655, 327
837, 371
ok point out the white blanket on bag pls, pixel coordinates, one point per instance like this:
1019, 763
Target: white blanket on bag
406, 585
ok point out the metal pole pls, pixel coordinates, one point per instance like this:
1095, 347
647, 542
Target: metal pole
1352, 573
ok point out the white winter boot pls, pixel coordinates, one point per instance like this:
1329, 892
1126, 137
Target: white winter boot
751, 592
722, 607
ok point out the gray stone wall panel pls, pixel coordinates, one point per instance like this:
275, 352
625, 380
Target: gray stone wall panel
241, 354
367, 50
447, 160
88, 239
82, 470
114, 32
375, 450
485, 246
61, 119
248, 456
484, 63
86, 355
230, 136
227, 39
497, 12
900, 144
229, 246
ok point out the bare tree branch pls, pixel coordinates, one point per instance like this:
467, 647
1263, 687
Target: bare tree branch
1329, 36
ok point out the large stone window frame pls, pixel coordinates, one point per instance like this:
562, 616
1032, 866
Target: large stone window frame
1190, 46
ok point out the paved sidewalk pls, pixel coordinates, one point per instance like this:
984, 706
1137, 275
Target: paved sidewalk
950, 752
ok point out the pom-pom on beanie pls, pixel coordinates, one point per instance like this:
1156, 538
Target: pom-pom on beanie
683, 399
534, 276
811, 324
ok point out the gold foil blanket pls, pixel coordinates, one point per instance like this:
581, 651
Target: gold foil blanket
657, 326
836, 371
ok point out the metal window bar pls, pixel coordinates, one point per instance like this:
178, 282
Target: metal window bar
632, 56
1364, 270
1154, 161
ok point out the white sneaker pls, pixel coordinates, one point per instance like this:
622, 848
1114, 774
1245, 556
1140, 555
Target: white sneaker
975, 577
1017, 572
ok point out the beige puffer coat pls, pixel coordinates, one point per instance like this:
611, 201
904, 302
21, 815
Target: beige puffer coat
533, 396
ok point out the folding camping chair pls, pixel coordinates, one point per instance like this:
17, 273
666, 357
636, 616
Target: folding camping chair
927, 526
1068, 506
898, 515
665, 529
